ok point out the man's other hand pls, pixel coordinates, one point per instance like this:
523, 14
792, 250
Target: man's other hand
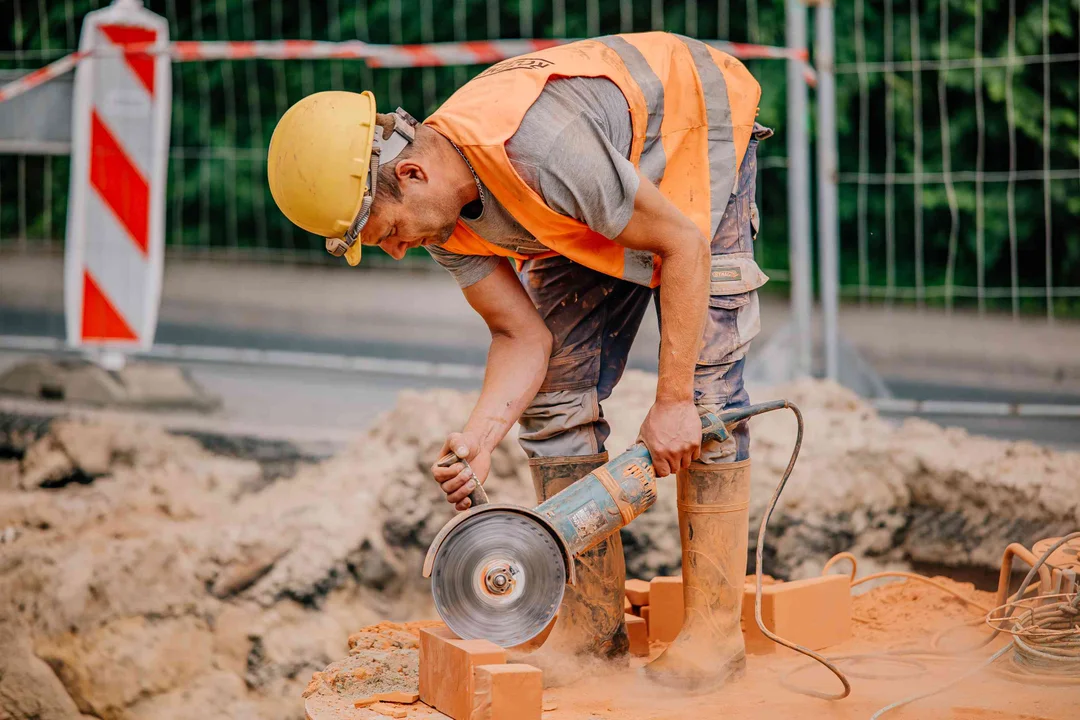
672, 432
457, 481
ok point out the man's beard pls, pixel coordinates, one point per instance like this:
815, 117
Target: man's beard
445, 232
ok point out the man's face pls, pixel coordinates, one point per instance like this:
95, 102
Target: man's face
425, 215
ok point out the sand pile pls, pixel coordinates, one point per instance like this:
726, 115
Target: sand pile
159, 580
384, 659
156, 579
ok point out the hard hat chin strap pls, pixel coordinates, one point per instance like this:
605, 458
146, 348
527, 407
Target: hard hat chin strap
383, 151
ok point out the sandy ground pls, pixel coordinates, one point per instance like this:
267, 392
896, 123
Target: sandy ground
145, 577
899, 616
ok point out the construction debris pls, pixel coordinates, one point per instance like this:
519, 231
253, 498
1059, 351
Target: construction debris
157, 579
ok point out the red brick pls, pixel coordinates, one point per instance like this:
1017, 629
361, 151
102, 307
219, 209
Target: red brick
643, 613
815, 613
637, 592
626, 606
508, 692
446, 669
666, 608
403, 698
639, 635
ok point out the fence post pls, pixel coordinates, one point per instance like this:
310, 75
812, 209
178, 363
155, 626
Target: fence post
827, 178
798, 152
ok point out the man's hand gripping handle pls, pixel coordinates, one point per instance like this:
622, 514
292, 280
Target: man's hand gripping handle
477, 496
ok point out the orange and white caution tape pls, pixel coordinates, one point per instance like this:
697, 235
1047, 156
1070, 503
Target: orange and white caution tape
40, 76
379, 56
480, 52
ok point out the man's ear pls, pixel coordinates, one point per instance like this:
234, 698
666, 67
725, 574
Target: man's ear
409, 170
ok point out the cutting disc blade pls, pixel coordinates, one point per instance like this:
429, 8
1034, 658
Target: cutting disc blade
499, 576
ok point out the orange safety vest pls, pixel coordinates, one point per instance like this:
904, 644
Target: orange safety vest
696, 101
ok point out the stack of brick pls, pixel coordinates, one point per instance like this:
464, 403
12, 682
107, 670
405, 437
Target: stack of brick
666, 608
634, 604
815, 612
471, 680
659, 607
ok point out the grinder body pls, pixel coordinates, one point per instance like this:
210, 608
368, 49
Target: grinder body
498, 571
602, 502
610, 497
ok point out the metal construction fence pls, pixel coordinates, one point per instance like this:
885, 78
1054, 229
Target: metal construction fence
226, 104
946, 133
960, 172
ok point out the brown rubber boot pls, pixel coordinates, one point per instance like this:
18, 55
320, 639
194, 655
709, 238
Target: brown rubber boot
713, 522
590, 621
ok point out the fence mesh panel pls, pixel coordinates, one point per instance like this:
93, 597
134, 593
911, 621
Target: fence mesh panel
960, 154
224, 111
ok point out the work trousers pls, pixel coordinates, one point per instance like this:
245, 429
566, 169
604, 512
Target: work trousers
594, 318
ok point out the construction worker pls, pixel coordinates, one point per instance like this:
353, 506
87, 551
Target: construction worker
611, 171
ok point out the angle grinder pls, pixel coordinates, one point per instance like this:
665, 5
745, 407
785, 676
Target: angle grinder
498, 571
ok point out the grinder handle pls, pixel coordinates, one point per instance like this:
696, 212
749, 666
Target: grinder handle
712, 428
479, 495
715, 427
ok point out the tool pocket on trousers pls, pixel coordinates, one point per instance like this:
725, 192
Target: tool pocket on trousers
575, 371
734, 317
729, 302
732, 322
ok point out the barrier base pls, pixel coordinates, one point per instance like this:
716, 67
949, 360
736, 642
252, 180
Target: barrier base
150, 386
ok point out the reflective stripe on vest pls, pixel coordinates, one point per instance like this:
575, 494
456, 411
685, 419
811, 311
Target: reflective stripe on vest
692, 111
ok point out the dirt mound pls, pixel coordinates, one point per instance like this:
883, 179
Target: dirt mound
383, 659
908, 608
154, 576
157, 579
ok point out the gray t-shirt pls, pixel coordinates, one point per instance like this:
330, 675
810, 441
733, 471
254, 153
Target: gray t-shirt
572, 149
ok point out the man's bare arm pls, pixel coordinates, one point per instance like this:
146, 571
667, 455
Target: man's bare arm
672, 430
516, 365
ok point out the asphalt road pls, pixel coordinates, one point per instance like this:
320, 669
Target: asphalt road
307, 404
420, 318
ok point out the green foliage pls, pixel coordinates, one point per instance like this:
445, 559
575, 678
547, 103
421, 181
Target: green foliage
944, 104
225, 112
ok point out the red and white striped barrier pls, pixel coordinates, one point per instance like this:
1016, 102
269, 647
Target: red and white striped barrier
114, 250
481, 52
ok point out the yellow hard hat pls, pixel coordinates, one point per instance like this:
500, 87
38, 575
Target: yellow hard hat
323, 165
